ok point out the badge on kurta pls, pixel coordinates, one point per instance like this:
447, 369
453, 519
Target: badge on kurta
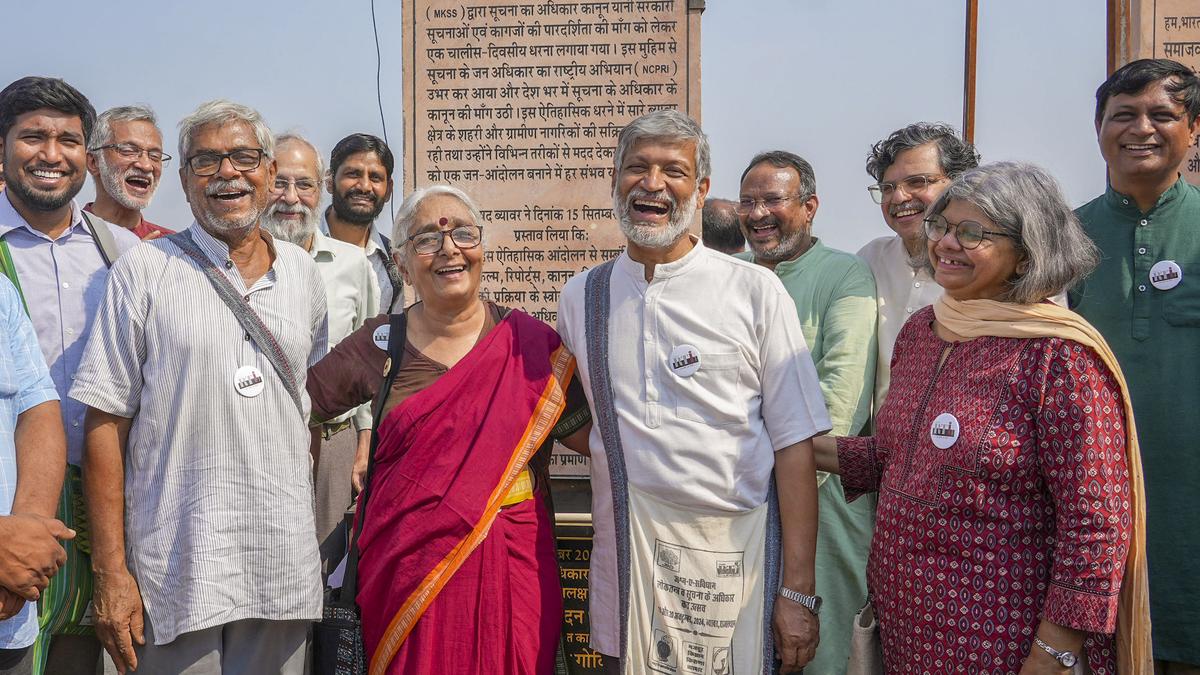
944, 430
684, 360
1165, 275
248, 381
381, 335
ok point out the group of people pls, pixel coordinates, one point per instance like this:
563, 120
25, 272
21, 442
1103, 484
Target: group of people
942, 427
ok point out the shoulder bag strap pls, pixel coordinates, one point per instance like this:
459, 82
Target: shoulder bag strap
104, 239
596, 309
396, 340
245, 314
9, 269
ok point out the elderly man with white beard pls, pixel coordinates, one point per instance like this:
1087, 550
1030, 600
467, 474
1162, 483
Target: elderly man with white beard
352, 295
704, 492
198, 479
126, 159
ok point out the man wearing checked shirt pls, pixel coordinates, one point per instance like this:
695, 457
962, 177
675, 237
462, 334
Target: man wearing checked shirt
60, 270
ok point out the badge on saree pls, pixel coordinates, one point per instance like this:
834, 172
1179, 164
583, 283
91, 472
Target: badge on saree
684, 360
944, 430
1165, 275
381, 335
248, 381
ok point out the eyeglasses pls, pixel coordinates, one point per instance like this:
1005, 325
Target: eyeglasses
209, 163
746, 206
464, 237
133, 151
304, 186
882, 192
968, 233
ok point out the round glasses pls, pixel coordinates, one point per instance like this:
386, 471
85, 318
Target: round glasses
969, 233
209, 163
464, 237
747, 206
304, 186
882, 192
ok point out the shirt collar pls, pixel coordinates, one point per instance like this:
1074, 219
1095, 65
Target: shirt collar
374, 241
637, 270
812, 253
11, 219
218, 251
1123, 202
321, 249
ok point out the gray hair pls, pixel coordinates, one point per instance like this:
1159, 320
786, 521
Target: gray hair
221, 111
782, 159
954, 154
102, 132
1026, 202
408, 211
666, 125
295, 137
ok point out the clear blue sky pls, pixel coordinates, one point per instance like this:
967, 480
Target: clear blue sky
824, 78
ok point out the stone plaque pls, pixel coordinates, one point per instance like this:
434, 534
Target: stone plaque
519, 104
574, 553
1166, 29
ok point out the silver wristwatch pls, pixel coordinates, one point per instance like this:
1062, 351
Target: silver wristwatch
1065, 659
812, 602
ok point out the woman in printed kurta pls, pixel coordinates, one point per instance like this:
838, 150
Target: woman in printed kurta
1001, 454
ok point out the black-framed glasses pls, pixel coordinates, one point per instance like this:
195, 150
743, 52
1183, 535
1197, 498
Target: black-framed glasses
242, 159
304, 186
464, 237
133, 151
882, 192
969, 233
746, 206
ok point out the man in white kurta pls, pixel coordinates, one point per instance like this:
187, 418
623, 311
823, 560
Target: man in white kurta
714, 392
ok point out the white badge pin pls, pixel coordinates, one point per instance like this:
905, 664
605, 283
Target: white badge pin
248, 381
684, 360
381, 335
944, 430
1165, 275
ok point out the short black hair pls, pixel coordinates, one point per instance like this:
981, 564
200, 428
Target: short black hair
356, 143
720, 228
1135, 76
954, 154
782, 159
34, 93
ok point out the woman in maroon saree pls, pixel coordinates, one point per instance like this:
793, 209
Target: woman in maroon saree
457, 570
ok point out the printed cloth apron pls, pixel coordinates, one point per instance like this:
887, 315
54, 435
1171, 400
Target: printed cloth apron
691, 582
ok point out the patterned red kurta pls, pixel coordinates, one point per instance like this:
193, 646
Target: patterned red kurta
1025, 516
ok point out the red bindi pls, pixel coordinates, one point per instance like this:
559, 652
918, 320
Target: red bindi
443, 221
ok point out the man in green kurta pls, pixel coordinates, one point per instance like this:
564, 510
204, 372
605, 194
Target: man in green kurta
1145, 299
834, 294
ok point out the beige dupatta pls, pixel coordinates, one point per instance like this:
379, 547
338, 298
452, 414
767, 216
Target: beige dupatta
978, 318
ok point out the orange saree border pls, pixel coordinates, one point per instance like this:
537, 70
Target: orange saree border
545, 415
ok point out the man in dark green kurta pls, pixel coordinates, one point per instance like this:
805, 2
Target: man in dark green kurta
1145, 298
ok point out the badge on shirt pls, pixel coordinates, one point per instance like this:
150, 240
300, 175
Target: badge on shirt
381, 335
248, 381
944, 431
1166, 275
684, 360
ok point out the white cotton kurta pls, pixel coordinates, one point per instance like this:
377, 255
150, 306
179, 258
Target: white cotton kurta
701, 442
218, 488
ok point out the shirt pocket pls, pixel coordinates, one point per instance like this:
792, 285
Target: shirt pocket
1181, 305
712, 395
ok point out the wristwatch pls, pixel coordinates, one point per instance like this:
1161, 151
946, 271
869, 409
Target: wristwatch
1065, 659
812, 602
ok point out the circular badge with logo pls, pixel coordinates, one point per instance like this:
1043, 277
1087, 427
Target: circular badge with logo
944, 430
248, 381
1165, 275
381, 335
684, 360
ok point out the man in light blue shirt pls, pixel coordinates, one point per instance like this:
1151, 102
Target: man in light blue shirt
59, 265
32, 454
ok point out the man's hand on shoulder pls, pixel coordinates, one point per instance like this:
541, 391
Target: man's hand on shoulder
30, 553
797, 632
